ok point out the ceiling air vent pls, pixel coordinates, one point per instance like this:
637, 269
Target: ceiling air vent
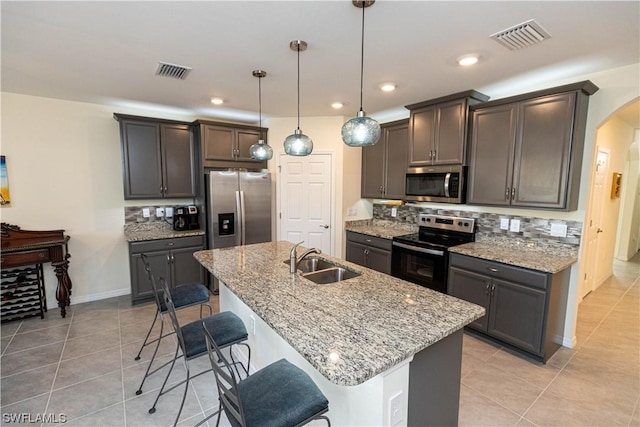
522, 35
172, 70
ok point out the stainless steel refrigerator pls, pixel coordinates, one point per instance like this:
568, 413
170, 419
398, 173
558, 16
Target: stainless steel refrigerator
238, 208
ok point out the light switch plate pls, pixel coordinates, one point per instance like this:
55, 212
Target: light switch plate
394, 212
168, 212
504, 223
146, 212
558, 229
514, 225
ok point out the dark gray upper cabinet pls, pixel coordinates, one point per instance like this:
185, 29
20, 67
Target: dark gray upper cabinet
159, 158
526, 151
438, 129
384, 165
227, 145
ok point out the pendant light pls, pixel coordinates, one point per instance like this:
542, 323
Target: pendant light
298, 144
361, 131
261, 150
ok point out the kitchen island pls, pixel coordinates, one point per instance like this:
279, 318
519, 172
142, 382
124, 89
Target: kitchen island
384, 351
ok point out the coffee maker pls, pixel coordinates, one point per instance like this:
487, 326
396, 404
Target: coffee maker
185, 218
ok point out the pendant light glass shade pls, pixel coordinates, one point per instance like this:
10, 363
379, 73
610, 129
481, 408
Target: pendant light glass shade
261, 150
298, 144
361, 131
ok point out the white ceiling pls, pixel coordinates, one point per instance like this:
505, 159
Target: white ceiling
107, 52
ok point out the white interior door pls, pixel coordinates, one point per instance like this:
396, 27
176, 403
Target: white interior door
593, 229
305, 200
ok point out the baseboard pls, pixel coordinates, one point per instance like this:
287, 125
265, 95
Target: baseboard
92, 297
569, 342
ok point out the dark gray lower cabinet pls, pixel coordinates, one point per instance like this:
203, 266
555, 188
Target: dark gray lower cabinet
524, 307
369, 251
171, 259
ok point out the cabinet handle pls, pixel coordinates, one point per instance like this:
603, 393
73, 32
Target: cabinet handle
172, 259
506, 193
434, 154
170, 244
367, 240
381, 189
487, 289
168, 259
495, 270
161, 189
513, 193
493, 288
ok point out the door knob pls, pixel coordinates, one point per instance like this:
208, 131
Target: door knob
599, 230
325, 226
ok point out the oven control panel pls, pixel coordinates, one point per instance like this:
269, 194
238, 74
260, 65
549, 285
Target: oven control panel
442, 222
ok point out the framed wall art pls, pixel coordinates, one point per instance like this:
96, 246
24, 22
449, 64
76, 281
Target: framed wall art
5, 198
616, 183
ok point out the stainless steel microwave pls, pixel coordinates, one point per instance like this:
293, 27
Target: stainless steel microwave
445, 184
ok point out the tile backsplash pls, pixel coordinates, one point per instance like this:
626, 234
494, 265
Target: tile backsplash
488, 224
134, 215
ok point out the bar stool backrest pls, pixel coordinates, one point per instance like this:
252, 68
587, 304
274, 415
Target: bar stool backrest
225, 380
171, 309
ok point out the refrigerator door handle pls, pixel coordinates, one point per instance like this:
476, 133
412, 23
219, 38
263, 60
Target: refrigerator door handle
241, 212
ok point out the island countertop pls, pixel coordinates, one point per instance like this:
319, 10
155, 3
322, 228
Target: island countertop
349, 331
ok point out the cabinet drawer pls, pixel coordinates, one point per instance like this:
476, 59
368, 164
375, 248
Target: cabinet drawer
502, 271
365, 239
24, 258
165, 244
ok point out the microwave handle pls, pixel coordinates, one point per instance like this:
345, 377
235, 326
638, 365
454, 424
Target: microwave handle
447, 177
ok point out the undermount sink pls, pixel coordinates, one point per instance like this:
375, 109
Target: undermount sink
323, 272
330, 275
310, 264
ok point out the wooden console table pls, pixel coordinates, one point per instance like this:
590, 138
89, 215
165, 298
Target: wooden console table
24, 247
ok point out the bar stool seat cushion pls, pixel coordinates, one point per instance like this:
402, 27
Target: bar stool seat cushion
226, 327
186, 295
280, 394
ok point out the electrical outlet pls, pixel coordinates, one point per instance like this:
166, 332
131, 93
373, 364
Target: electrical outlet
159, 212
515, 225
558, 229
504, 223
252, 325
396, 411
394, 212
168, 212
146, 212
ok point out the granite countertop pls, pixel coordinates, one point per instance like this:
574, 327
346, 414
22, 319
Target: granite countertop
155, 231
372, 322
384, 229
535, 256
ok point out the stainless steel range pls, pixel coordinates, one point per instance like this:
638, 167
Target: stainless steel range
423, 257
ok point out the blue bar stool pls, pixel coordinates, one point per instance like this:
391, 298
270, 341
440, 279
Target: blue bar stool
278, 395
183, 296
226, 329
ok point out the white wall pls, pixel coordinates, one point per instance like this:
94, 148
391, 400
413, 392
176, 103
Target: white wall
64, 166
628, 235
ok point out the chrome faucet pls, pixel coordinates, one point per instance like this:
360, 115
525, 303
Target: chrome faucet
293, 257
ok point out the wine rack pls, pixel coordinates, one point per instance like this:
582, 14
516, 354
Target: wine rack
22, 293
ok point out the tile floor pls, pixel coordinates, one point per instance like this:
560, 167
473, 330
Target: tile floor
83, 367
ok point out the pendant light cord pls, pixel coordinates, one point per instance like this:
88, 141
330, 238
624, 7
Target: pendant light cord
298, 84
362, 56
260, 107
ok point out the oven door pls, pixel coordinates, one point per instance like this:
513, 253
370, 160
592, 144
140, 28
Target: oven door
422, 266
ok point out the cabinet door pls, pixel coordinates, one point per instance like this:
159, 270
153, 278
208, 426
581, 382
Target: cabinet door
541, 167
218, 142
178, 156
373, 164
450, 137
356, 253
141, 289
141, 153
397, 155
422, 123
517, 315
245, 139
492, 146
379, 260
185, 268
471, 287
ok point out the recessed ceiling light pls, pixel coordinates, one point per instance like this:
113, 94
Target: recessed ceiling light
337, 105
467, 60
388, 87
217, 101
